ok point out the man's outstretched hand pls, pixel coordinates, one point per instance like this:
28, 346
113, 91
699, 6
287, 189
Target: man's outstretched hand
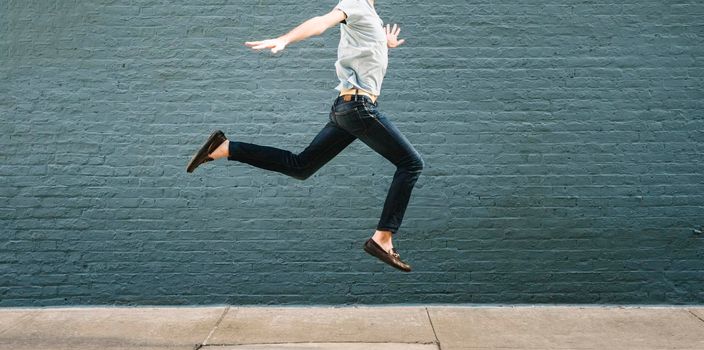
392, 36
275, 45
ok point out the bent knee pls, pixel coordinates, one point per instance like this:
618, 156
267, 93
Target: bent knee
301, 176
419, 164
415, 163
303, 173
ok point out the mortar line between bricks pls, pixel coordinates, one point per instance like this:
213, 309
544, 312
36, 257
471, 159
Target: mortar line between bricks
695, 315
437, 341
222, 316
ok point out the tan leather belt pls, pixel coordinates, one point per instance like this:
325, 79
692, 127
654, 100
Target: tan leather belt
348, 93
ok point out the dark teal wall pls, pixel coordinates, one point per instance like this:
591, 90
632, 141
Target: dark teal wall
563, 144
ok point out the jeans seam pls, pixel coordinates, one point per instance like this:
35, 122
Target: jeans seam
380, 123
373, 117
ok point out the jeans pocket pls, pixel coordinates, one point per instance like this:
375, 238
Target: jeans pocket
368, 116
345, 108
369, 105
348, 119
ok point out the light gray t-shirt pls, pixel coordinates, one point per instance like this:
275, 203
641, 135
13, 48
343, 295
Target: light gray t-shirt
362, 55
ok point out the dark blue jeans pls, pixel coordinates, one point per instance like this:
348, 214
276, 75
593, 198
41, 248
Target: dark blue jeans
348, 121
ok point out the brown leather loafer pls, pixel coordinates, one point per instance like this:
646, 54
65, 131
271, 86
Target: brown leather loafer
391, 257
213, 142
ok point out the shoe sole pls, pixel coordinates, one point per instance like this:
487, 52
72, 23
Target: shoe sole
202, 153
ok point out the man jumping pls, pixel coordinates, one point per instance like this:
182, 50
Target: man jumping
362, 59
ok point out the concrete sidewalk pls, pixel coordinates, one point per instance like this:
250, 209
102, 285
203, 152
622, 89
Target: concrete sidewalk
420, 327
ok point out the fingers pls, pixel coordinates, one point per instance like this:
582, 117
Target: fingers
274, 45
262, 46
258, 45
392, 30
400, 42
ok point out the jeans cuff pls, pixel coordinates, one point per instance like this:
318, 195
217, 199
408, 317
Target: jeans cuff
230, 148
393, 230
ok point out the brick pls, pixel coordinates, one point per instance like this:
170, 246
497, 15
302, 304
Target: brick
563, 149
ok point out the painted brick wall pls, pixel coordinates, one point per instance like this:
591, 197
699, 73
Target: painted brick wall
563, 143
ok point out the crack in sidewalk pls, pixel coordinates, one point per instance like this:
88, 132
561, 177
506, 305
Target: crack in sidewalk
205, 342
437, 341
695, 315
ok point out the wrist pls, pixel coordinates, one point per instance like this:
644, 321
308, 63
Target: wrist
285, 39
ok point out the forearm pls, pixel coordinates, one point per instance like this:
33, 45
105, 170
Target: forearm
311, 27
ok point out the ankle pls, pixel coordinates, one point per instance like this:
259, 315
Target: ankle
225, 148
382, 236
222, 151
